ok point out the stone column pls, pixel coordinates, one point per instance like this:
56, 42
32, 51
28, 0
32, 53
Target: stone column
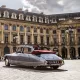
51, 37
59, 37
18, 38
25, 37
10, 33
76, 47
60, 51
44, 32
67, 39
68, 51
2, 40
32, 35
38, 30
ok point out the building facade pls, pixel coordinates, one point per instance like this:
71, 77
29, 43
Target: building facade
60, 32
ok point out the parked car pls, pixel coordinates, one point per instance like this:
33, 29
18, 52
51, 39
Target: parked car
35, 58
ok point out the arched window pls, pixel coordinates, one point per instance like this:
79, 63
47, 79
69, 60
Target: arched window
21, 17
14, 16
6, 14
34, 18
47, 31
41, 30
40, 19
14, 28
28, 29
46, 20
28, 18
21, 28
5, 27
35, 29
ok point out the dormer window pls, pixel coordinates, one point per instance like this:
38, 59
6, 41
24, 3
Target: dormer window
28, 18
40, 19
61, 19
46, 20
21, 17
14, 16
34, 18
76, 17
53, 21
6, 14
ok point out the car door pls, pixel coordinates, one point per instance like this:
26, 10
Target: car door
13, 58
34, 60
23, 59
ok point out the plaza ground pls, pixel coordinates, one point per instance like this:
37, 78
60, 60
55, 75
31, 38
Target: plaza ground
69, 71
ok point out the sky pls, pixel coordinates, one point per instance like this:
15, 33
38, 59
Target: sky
45, 6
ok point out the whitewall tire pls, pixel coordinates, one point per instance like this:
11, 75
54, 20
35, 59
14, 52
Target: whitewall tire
7, 62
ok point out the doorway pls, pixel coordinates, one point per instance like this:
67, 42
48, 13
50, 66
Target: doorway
6, 50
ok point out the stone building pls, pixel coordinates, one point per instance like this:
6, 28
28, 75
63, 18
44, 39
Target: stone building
60, 32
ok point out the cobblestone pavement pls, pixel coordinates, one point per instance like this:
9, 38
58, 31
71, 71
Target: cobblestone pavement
69, 71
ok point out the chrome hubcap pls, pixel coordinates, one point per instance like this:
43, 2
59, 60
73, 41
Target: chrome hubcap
6, 62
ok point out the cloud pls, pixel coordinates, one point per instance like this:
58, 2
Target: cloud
11, 4
52, 6
45, 6
29, 6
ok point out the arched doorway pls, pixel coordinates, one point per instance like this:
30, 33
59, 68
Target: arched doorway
6, 50
64, 52
72, 53
79, 51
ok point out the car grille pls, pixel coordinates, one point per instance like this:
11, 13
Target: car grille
54, 62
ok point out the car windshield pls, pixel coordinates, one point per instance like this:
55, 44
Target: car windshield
23, 50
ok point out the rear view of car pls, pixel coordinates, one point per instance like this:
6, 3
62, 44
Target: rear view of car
51, 60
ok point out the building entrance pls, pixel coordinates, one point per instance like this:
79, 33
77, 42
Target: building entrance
64, 52
6, 50
79, 52
72, 53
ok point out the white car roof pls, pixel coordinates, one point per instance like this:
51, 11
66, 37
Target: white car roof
27, 46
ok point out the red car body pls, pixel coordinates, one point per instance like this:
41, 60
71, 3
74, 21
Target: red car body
43, 51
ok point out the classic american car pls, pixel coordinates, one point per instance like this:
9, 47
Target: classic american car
35, 58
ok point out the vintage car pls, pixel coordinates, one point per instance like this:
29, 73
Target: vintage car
35, 58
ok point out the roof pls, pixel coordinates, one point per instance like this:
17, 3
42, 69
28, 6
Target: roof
20, 11
43, 51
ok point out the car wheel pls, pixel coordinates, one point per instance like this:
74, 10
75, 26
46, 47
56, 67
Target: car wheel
55, 67
7, 62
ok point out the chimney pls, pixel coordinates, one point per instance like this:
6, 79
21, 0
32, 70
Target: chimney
20, 9
3, 6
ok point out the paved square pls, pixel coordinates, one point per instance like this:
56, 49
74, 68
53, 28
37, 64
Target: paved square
70, 71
